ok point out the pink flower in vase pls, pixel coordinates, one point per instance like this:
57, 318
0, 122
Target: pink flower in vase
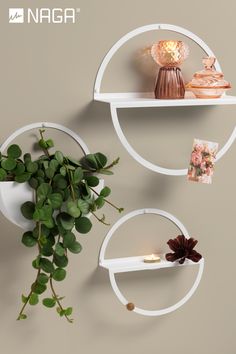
196, 158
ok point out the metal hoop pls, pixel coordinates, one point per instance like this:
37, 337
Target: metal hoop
143, 29
113, 107
114, 285
13, 195
28, 127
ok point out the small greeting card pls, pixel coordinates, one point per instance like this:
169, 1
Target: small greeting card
202, 161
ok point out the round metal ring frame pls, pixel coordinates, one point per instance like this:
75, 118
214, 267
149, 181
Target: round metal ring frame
41, 125
113, 107
114, 285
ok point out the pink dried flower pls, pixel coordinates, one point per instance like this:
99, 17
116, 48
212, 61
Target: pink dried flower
196, 158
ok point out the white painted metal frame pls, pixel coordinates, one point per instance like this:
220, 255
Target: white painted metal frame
121, 297
115, 104
42, 125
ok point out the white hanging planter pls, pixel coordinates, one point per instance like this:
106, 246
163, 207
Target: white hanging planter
13, 194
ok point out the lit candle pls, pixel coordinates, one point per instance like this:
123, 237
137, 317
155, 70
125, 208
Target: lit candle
152, 258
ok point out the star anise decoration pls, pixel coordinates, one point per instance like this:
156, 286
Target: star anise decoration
183, 248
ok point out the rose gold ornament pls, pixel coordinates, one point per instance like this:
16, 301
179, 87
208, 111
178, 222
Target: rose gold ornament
169, 54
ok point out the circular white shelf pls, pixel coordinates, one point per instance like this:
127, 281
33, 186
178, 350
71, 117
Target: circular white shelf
130, 264
130, 100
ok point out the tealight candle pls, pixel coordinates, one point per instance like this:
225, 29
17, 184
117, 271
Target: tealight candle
152, 258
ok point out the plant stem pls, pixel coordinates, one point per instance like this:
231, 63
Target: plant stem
71, 185
107, 201
58, 302
44, 149
100, 220
28, 297
115, 162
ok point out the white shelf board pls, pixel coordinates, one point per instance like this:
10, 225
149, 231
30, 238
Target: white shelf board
146, 99
131, 264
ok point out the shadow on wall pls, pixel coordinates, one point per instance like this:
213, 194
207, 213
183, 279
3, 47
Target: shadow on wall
98, 112
10, 263
95, 118
97, 289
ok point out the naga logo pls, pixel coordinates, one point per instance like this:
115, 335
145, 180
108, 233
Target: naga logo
43, 15
16, 15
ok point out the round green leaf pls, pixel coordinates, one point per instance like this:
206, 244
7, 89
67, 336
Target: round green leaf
9, 164
33, 183
42, 143
99, 202
47, 250
63, 171
83, 225
49, 143
72, 209
34, 299
59, 181
105, 192
92, 181
27, 210
32, 167
78, 175
69, 311
14, 151
40, 173
59, 249
3, 174
43, 214
44, 190
20, 168
53, 164
50, 172
90, 162
46, 265
48, 302
24, 298
28, 239
27, 157
101, 159
61, 262
59, 274
42, 279
68, 239
24, 177
35, 263
22, 317
59, 157
38, 288
56, 200
83, 206
66, 221
75, 247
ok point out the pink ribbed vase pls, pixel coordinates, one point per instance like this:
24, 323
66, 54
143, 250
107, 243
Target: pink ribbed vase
170, 83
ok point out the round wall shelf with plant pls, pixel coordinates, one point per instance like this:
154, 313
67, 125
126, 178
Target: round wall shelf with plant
183, 255
147, 99
52, 198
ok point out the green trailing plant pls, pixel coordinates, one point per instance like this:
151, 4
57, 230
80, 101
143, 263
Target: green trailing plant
64, 195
